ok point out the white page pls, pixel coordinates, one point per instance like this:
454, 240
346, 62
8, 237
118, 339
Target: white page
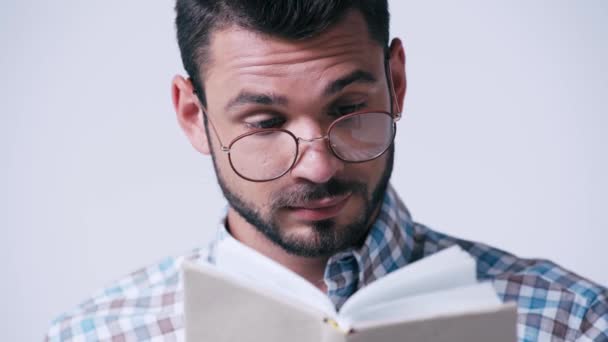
477, 297
220, 306
260, 271
448, 268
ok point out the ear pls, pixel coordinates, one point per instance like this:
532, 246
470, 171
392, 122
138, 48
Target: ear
397, 64
189, 113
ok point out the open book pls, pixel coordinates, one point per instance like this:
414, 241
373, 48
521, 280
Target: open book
435, 299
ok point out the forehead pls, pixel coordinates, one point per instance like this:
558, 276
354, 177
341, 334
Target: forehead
240, 58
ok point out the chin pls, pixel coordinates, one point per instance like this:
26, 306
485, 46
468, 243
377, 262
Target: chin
322, 238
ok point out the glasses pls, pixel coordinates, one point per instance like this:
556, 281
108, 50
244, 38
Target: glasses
266, 154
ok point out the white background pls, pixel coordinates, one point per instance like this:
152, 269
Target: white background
504, 140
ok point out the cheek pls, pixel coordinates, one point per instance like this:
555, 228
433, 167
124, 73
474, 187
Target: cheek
222, 164
253, 193
370, 172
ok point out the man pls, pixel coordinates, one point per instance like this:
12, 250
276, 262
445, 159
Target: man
297, 103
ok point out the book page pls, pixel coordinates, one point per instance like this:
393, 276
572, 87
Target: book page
498, 324
481, 296
260, 271
446, 269
220, 308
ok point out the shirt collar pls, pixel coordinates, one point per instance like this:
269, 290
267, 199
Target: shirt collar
389, 246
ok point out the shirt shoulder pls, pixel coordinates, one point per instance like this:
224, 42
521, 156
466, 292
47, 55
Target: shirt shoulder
146, 304
553, 303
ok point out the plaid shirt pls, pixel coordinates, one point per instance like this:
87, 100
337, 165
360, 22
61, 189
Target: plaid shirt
553, 304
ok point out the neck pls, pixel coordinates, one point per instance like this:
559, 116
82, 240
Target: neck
311, 269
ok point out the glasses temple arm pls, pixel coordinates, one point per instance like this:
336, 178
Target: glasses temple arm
393, 94
224, 148
204, 111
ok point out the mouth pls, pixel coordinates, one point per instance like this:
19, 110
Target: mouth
318, 210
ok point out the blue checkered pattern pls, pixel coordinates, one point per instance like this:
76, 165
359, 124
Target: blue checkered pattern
553, 304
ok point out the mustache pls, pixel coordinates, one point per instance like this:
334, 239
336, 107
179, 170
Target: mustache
301, 193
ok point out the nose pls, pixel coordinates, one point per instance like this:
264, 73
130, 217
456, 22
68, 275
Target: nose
316, 163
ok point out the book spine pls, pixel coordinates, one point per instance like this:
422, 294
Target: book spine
331, 331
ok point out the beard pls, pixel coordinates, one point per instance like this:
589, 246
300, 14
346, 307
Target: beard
326, 237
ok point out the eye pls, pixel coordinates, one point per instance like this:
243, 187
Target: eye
274, 122
342, 110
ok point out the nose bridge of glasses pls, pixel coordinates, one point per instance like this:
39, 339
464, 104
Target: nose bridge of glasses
316, 163
304, 149
311, 140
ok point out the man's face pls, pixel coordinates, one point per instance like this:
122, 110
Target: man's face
322, 205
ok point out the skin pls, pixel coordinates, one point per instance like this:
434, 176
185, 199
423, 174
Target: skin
298, 72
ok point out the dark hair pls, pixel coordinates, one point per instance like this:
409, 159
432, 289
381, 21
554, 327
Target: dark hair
291, 19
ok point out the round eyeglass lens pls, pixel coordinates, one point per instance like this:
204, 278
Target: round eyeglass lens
263, 155
362, 137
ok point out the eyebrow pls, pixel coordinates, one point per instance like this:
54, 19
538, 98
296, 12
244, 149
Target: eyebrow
246, 97
270, 99
357, 76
